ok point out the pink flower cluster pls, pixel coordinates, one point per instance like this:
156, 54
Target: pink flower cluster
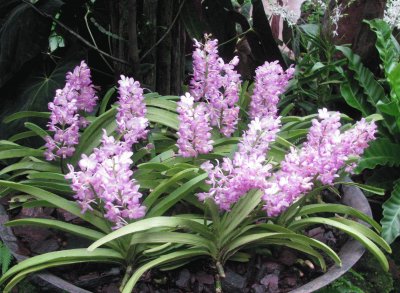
270, 82
216, 83
105, 176
321, 157
131, 120
77, 95
194, 130
248, 170
215, 88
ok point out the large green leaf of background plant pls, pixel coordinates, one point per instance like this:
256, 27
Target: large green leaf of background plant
380, 152
391, 215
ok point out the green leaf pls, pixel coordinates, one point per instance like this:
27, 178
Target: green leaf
384, 43
161, 103
22, 135
391, 215
37, 166
93, 133
163, 117
366, 232
390, 108
165, 185
171, 257
36, 129
239, 213
338, 209
22, 275
380, 152
105, 100
355, 233
80, 254
254, 238
63, 226
372, 189
394, 80
18, 153
169, 201
58, 201
5, 258
26, 114
155, 222
174, 237
354, 99
300, 246
364, 76
47, 175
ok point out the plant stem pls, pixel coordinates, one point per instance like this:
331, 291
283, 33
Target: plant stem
220, 274
128, 273
218, 285
220, 270
62, 165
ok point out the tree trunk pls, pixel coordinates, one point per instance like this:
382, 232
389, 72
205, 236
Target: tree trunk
352, 30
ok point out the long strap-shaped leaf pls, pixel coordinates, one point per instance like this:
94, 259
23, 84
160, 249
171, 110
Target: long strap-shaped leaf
20, 152
163, 186
300, 246
79, 254
156, 222
171, 257
58, 201
254, 238
163, 117
91, 136
26, 114
29, 165
353, 232
240, 212
174, 237
339, 209
20, 276
175, 196
63, 226
367, 232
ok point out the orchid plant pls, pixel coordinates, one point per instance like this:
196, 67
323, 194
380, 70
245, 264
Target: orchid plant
237, 167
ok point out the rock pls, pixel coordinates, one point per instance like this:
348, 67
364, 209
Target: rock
48, 245
233, 282
290, 281
330, 238
111, 288
271, 282
257, 288
272, 267
31, 235
287, 257
204, 278
66, 216
37, 212
183, 279
316, 231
